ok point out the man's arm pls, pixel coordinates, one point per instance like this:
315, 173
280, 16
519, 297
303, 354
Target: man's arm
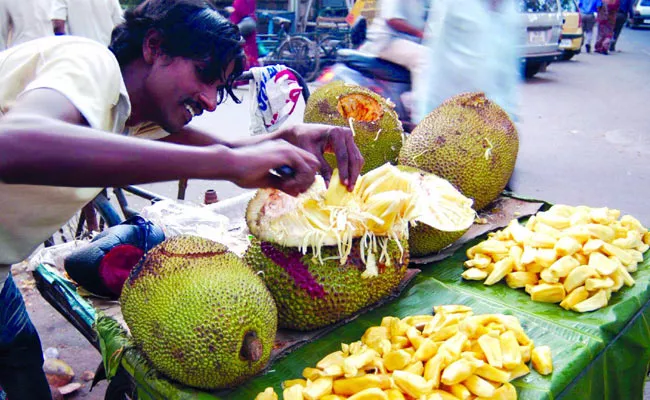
58, 16
402, 25
43, 142
58, 25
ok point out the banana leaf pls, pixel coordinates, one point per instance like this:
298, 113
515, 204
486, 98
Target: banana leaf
599, 355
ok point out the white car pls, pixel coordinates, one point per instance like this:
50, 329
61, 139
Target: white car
640, 14
542, 20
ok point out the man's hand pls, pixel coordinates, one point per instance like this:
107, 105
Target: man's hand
250, 166
319, 139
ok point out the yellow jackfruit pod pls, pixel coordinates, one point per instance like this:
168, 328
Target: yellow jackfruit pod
618, 280
444, 333
632, 223
542, 360
593, 284
504, 392
412, 384
386, 321
563, 266
519, 371
486, 371
451, 309
601, 263
355, 362
312, 374
460, 391
479, 386
637, 256
417, 320
578, 276
592, 245
292, 382
416, 367
632, 240
579, 218
603, 215
415, 337
625, 275
646, 238
566, 246
437, 394
491, 347
515, 254
394, 394
479, 261
370, 394
398, 327
333, 371
547, 276
519, 279
397, 359
335, 358
454, 345
374, 336
433, 368
400, 342
553, 220
333, 397
541, 241
528, 256
350, 386
526, 351
512, 323
582, 259
501, 268
576, 296
519, 233
545, 257
428, 348
602, 232
596, 301
548, 292
267, 394
293, 393
489, 246
457, 371
510, 353
318, 388
474, 274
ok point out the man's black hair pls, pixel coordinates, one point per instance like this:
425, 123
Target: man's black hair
192, 29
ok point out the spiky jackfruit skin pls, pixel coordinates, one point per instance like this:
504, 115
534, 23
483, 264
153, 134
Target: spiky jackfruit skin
469, 141
377, 147
190, 308
311, 295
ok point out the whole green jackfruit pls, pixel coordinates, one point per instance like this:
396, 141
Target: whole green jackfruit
377, 129
310, 294
469, 141
199, 314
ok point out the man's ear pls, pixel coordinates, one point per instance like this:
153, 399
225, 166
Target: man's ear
152, 46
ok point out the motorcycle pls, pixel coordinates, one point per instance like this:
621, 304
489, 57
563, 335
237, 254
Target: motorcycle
385, 78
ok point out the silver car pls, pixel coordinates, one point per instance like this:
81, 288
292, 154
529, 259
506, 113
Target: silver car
542, 20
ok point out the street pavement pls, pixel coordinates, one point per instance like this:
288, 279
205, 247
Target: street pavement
584, 139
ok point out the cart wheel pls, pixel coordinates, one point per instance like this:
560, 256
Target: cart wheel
121, 387
299, 53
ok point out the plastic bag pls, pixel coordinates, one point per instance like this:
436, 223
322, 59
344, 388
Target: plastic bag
275, 91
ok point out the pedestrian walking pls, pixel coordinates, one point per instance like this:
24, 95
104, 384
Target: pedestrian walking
624, 11
588, 9
243, 15
23, 20
606, 20
92, 19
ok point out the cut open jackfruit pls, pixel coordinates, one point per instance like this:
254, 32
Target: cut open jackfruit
380, 208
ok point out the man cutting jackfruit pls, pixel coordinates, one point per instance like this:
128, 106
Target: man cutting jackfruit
61, 98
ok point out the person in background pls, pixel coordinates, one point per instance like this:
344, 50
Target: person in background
74, 116
472, 47
588, 9
23, 20
92, 19
625, 9
396, 34
606, 20
243, 12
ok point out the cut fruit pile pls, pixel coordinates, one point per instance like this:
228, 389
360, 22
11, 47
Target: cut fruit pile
450, 355
380, 208
575, 256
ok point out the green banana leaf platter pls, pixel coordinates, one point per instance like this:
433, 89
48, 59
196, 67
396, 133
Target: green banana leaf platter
598, 355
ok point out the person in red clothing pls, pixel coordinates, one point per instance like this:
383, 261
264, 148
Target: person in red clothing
606, 20
242, 9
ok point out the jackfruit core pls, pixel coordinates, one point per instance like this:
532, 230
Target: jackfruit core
382, 206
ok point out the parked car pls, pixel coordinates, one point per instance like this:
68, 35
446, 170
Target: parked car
542, 20
572, 35
640, 15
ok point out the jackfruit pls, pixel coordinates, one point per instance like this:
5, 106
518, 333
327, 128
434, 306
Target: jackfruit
199, 314
377, 129
469, 141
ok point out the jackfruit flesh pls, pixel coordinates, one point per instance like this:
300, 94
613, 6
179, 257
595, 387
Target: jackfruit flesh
359, 107
380, 208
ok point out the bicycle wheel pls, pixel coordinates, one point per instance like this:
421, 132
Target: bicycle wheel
299, 53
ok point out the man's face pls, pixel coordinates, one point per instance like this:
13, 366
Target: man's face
178, 93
